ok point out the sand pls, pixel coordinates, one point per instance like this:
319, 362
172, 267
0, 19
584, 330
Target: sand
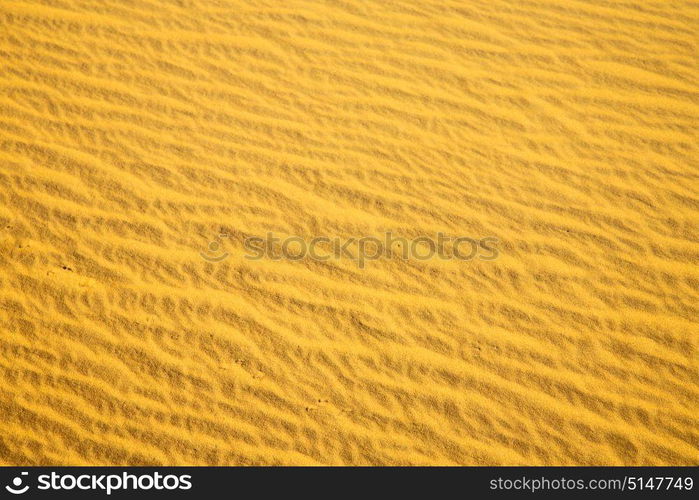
134, 133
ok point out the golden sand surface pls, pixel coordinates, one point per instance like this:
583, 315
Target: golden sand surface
135, 133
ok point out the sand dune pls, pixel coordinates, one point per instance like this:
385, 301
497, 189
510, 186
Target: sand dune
135, 133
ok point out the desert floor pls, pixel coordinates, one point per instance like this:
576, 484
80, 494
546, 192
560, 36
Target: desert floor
142, 143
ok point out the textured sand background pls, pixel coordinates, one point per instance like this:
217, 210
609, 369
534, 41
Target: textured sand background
134, 132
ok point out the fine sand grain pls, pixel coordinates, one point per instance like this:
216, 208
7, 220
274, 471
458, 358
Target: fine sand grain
134, 132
